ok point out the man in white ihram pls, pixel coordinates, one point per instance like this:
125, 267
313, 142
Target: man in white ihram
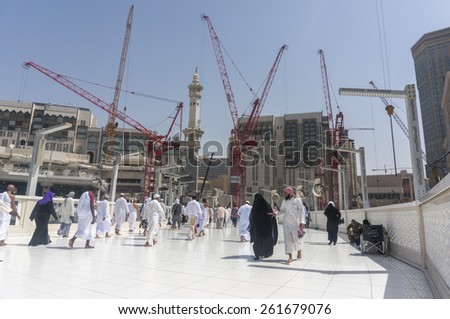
294, 220
193, 211
154, 214
120, 212
7, 209
244, 215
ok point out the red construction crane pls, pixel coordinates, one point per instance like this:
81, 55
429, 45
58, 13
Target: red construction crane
157, 145
240, 137
337, 130
111, 126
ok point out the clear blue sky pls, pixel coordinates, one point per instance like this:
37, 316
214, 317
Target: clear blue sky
363, 40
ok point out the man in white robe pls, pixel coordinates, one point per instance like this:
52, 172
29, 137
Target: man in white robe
294, 220
193, 211
8, 209
132, 217
86, 217
244, 215
203, 217
103, 218
154, 214
66, 215
120, 212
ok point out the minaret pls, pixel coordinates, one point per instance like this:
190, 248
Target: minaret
193, 133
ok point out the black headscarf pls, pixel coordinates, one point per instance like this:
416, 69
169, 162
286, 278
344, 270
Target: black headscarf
332, 213
261, 223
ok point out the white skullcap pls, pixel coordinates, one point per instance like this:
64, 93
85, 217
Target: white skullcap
156, 196
121, 194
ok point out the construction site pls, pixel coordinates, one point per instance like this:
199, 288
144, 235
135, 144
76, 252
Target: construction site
63, 148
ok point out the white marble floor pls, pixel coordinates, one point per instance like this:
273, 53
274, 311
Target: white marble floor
217, 265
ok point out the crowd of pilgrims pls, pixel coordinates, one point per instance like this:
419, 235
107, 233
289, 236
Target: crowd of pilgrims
257, 221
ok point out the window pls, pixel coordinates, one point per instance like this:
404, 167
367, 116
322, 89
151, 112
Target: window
92, 142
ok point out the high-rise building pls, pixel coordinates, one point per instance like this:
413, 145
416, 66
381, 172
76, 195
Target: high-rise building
290, 151
446, 110
431, 56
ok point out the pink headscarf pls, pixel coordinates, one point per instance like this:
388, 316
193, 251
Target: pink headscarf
289, 190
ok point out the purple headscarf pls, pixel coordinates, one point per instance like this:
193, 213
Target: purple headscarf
48, 197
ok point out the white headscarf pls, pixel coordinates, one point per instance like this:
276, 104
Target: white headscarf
71, 194
332, 203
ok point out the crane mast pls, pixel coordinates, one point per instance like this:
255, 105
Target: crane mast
326, 89
336, 126
111, 125
238, 169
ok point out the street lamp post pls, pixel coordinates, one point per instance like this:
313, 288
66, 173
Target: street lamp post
171, 187
273, 194
312, 194
362, 163
37, 155
409, 95
115, 173
342, 185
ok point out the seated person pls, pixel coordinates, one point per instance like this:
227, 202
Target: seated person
354, 230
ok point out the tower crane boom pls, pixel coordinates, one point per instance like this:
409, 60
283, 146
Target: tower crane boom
397, 119
64, 81
238, 169
156, 145
394, 114
111, 126
223, 73
326, 89
259, 102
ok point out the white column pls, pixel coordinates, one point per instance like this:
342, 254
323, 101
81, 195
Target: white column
415, 147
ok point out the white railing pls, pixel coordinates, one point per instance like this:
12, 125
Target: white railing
419, 232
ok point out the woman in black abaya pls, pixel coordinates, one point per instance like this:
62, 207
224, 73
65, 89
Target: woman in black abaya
41, 213
263, 228
333, 217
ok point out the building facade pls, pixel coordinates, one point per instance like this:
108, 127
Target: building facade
294, 150
431, 56
446, 110
75, 156
390, 189
72, 157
